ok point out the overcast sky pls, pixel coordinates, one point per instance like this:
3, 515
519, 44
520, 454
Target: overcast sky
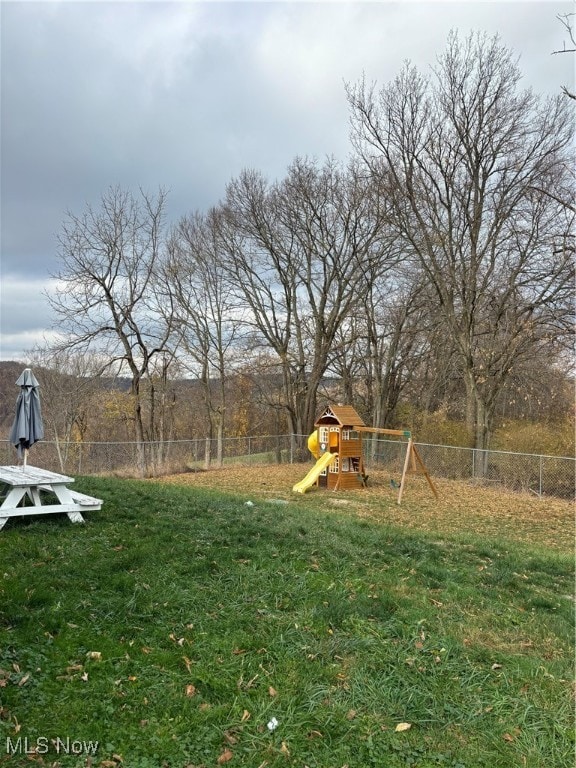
184, 95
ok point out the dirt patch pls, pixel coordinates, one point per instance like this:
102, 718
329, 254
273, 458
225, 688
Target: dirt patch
461, 507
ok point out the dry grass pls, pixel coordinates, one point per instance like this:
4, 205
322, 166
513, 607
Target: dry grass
461, 508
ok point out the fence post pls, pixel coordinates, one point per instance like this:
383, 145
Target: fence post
540, 478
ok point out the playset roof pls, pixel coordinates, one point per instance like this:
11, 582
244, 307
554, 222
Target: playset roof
345, 415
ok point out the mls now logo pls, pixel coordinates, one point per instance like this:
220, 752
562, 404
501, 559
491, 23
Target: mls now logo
42, 745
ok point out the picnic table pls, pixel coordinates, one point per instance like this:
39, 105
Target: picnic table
47, 491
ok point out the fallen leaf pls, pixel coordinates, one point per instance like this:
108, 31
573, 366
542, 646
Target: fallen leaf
190, 690
403, 727
245, 716
496, 666
230, 738
284, 749
351, 714
84, 677
94, 655
225, 757
508, 737
272, 691
188, 663
25, 679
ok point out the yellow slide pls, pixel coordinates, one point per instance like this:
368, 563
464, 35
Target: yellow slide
313, 446
325, 460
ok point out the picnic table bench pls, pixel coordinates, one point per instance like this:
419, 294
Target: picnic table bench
47, 491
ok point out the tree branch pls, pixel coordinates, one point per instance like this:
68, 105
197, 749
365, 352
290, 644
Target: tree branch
564, 20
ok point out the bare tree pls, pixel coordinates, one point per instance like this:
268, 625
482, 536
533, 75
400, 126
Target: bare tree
462, 157
381, 345
297, 253
205, 314
396, 341
105, 302
69, 384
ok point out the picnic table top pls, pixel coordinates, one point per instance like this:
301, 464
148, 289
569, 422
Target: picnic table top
28, 476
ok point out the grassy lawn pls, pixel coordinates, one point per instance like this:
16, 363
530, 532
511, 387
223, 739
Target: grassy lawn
175, 624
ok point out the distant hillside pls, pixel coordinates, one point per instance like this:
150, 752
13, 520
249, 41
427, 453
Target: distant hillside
11, 370
9, 374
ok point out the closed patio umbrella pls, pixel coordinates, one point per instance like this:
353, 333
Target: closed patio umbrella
27, 428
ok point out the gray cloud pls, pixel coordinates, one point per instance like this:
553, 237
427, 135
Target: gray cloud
185, 95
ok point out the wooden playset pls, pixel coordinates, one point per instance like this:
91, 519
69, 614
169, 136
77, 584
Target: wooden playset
336, 444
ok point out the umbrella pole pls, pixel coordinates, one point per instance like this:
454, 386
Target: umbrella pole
25, 458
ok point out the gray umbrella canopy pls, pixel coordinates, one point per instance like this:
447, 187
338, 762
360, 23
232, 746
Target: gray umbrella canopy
27, 428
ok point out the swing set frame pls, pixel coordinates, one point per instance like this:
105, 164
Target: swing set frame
412, 461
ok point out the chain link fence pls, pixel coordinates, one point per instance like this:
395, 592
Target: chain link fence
537, 474
531, 473
171, 456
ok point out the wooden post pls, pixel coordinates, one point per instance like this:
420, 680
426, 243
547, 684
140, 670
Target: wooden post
425, 471
405, 470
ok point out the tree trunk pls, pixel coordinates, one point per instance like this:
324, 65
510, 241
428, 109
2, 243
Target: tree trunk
220, 441
139, 429
478, 422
